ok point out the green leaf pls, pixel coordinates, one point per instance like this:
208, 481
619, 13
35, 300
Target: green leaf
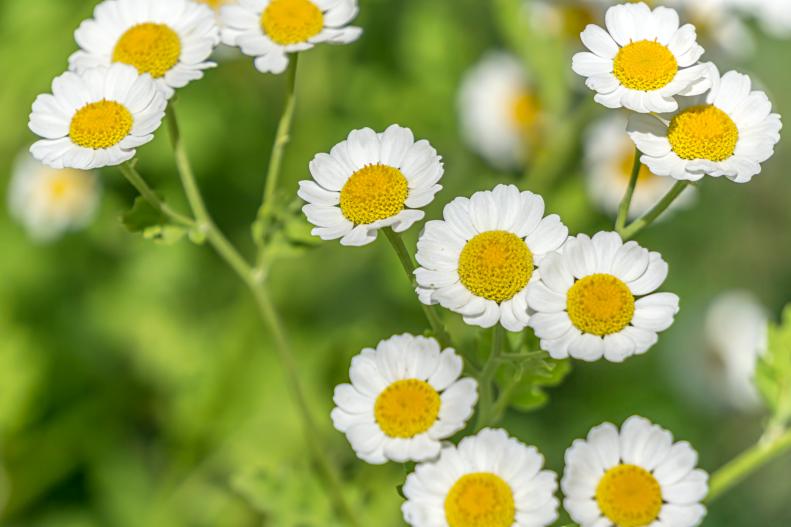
532, 372
773, 371
145, 220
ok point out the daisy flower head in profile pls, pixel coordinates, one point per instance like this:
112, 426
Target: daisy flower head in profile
499, 110
271, 29
96, 118
728, 131
596, 299
479, 259
643, 60
171, 40
489, 479
368, 182
405, 397
49, 202
635, 477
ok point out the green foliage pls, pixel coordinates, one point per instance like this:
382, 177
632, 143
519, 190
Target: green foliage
526, 376
143, 219
773, 373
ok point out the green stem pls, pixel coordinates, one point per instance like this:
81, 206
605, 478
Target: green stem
626, 202
437, 327
746, 463
634, 228
486, 380
137, 181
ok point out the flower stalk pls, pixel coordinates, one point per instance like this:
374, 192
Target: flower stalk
486, 380
626, 202
637, 226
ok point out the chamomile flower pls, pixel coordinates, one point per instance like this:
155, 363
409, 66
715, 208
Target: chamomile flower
404, 398
49, 202
96, 118
596, 299
637, 477
643, 60
609, 156
271, 29
170, 40
728, 132
499, 110
368, 182
488, 480
479, 260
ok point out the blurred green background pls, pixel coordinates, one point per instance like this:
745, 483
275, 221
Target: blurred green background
137, 386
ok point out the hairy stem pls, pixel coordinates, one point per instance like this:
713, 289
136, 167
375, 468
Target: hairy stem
634, 228
626, 202
486, 379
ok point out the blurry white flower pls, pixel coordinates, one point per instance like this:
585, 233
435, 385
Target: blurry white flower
635, 478
499, 110
404, 398
96, 118
773, 15
490, 480
717, 22
49, 202
171, 40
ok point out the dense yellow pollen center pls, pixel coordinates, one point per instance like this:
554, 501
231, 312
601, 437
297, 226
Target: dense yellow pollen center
373, 193
629, 496
292, 21
100, 125
524, 110
151, 48
407, 408
480, 499
495, 265
600, 304
703, 132
645, 65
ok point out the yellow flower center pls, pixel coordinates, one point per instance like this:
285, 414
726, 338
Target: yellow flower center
214, 4
100, 125
524, 110
600, 304
645, 65
703, 132
373, 193
151, 48
495, 265
292, 21
480, 499
407, 408
629, 496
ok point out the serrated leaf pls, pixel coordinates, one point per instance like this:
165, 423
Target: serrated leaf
536, 371
773, 371
144, 219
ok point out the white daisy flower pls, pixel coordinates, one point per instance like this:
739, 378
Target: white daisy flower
479, 259
499, 110
643, 60
596, 299
609, 157
727, 132
170, 40
50, 202
405, 397
636, 478
271, 29
490, 480
97, 118
368, 182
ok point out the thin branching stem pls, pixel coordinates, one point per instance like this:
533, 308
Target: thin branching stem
634, 228
486, 379
626, 202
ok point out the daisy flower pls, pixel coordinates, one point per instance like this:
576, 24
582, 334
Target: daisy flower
609, 157
490, 480
170, 40
728, 132
271, 29
50, 202
368, 182
499, 110
637, 477
596, 299
405, 397
479, 259
643, 60
96, 118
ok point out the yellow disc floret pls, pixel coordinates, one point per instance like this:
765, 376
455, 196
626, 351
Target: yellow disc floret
524, 110
292, 21
407, 408
480, 499
645, 65
703, 132
373, 193
151, 48
100, 124
629, 496
600, 304
495, 265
